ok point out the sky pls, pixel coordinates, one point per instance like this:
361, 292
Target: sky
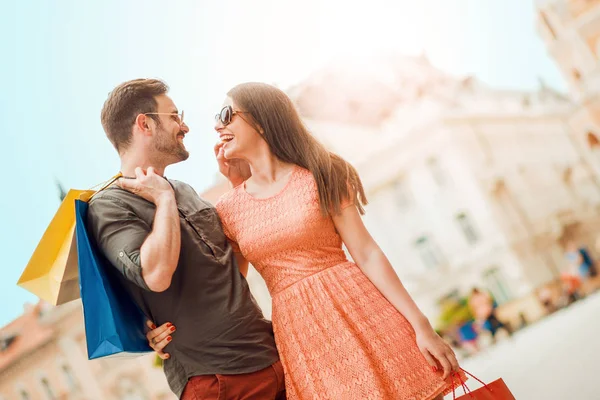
61, 59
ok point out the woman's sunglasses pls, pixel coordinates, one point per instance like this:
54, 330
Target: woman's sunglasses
226, 115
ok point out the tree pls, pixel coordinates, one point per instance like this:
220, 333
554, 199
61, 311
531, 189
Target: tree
62, 193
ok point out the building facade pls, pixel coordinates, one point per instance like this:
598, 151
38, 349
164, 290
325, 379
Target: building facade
469, 186
43, 356
571, 31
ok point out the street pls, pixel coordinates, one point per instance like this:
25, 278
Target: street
554, 359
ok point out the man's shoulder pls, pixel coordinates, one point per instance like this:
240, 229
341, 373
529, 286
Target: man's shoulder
110, 202
111, 195
188, 198
183, 187
116, 197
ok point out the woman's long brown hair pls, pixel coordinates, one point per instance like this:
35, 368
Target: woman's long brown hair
290, 141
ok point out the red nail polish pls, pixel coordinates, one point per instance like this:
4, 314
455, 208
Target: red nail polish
169, 338
169, 325
153, 326
167, 356
172, 329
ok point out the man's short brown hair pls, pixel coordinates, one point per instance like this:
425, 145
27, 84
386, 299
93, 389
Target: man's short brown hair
125, 103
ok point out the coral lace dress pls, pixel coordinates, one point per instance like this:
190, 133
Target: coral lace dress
337, 336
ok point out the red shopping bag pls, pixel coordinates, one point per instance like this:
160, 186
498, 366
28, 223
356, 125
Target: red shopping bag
496, 390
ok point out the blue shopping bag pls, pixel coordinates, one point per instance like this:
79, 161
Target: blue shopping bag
114, 324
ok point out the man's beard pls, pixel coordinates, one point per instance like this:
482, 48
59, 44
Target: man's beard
169, 148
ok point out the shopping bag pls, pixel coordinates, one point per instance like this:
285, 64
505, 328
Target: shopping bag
114, 325
51, 273
496, 390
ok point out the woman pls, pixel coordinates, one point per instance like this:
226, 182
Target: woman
344, 330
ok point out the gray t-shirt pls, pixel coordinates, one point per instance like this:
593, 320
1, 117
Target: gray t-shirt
220, 328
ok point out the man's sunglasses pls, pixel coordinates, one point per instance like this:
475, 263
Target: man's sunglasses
226, 115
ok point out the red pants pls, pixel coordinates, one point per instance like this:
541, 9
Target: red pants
266, 384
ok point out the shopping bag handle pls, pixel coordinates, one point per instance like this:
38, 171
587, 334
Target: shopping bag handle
464, 384
476, 378
110, 181
106, 184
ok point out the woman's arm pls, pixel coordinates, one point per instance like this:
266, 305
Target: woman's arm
375, 265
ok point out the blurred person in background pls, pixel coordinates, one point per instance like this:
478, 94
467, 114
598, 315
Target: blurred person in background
483, 307
469, 337
580, 260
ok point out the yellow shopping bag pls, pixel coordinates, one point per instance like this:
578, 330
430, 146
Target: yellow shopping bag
52, 272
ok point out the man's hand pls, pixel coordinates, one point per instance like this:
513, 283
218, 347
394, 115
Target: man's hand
148, 185
235, 170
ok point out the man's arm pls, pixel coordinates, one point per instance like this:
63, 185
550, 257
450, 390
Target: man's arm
159, 254
147, 256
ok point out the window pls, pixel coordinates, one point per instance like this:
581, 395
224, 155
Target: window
593, 141
69, 376
47, 389
402, 194
6, 341
546, 22
429, 253
594, 146
436, 171
497, 285
466, 225
567, 176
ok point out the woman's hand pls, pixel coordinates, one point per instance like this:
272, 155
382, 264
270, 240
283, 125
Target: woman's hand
160, 337
235, 170
437, 352
370, 259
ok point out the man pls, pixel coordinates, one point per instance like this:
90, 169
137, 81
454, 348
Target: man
174, 258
